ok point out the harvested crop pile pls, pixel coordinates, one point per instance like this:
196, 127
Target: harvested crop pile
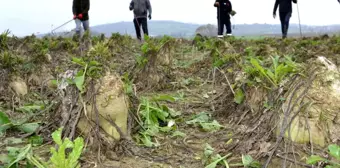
111, 107
113, 102
315, 116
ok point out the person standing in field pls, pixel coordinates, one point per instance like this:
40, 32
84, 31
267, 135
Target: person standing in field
285, 9
80, 9
140, 10
224, 9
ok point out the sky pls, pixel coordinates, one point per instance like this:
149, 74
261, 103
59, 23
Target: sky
24, 17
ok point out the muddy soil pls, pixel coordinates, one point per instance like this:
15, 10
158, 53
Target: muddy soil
245, 131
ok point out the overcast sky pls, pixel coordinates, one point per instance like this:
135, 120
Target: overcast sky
24, 17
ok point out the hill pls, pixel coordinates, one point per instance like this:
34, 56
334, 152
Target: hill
156, 28
180, 29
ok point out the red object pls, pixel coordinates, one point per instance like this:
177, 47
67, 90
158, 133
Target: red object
80, 16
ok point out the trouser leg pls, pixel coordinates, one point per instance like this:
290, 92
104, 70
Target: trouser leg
284, 18
86, 25
287, 18
137, 28
220, 26
145, 26
228, 25
78, 26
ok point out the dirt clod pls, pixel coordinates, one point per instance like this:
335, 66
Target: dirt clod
19, 86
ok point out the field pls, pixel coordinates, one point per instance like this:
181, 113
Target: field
118, 103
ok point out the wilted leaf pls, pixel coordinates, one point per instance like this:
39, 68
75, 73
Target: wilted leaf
22, 155
247, 160
314, 159
178, 134
12, 140
208, 150
224, 161
13, 151
174, 113
147, 141
201, 117
30, 108
165, 129
5, 158
28, 128
213, 126
152, 131
214, 164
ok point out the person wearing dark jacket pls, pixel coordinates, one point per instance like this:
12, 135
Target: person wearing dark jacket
140, 10
285, 10
224, 8
80, 9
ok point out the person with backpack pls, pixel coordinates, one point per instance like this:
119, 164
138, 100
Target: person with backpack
80, 9
224, 9
140, 10
285, 9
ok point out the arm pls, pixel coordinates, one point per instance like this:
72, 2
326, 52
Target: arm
131, 5
230, 7
275, 6
148, 6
